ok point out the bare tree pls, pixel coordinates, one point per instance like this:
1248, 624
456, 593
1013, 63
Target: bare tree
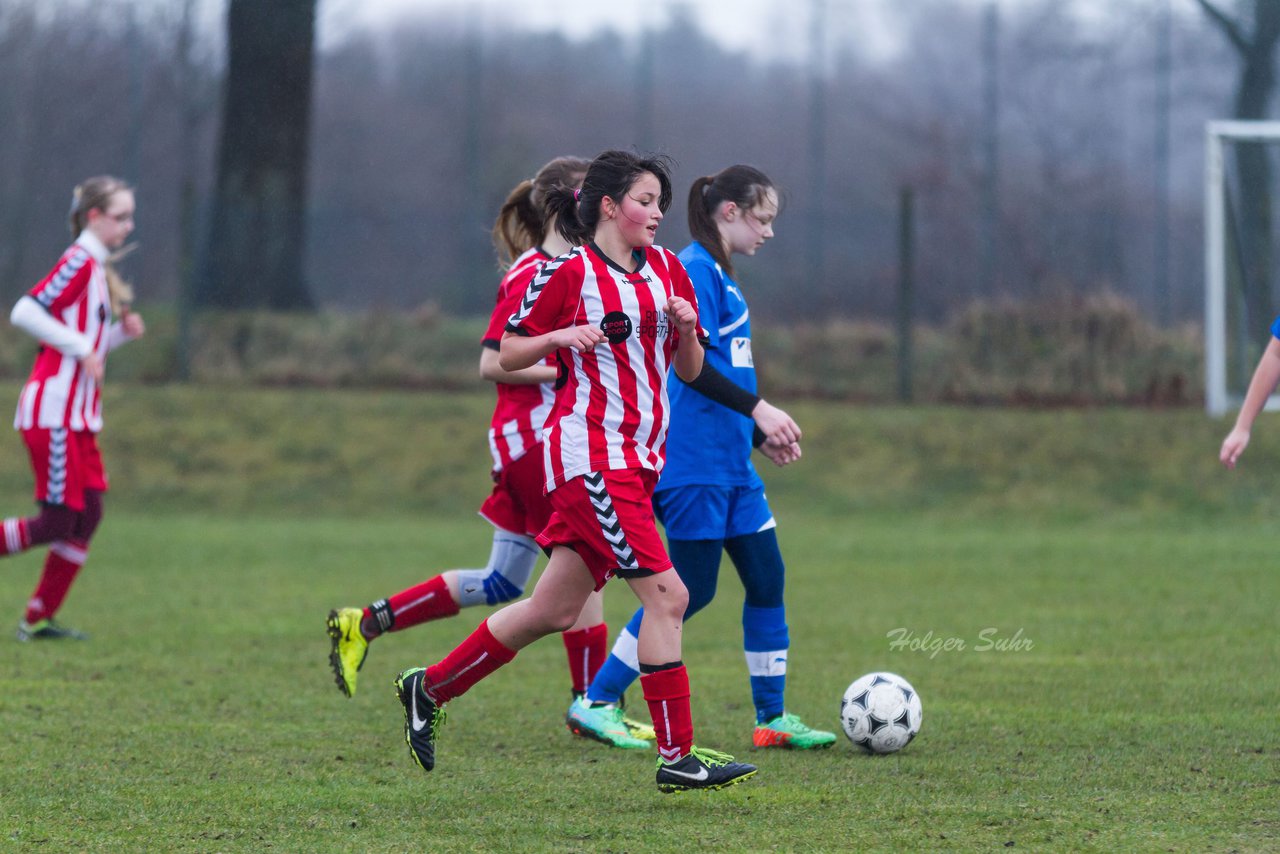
1256, 47
257, 232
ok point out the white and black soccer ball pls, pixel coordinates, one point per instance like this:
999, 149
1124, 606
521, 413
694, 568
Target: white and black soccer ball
880, 712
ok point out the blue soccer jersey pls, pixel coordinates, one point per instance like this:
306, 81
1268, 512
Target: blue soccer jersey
709, 444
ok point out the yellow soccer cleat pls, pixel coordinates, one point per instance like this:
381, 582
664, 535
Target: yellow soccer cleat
348, 648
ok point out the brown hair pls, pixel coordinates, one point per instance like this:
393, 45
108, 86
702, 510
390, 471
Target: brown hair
522, 220
745, 186
95, 194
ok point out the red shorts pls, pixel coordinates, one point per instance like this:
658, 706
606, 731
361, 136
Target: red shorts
518, 502
66, 463
607, 518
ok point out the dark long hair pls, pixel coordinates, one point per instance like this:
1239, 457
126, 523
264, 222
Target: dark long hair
611, 174
745, 186
522, 220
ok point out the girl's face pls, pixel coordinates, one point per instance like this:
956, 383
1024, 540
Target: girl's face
744, 230
113, 222
638, 214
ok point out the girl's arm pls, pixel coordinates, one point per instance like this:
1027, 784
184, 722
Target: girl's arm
29, 316
689, 354
521, 351
494, 373
1265, 378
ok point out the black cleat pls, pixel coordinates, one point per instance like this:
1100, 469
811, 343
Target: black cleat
48, 630
422, 717
702, 769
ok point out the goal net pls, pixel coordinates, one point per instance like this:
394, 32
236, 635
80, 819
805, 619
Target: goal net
1231, 337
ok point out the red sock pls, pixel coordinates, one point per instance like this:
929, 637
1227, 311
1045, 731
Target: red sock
17, 537
421, 603
667, 693
60, 568
587, 649
472, 660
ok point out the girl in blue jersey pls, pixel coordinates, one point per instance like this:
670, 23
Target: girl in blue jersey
710, 498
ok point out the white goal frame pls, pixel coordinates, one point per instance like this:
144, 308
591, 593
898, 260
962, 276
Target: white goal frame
1217, 399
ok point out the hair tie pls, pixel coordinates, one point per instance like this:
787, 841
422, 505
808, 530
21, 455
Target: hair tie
707, 186
75, 201
576, 193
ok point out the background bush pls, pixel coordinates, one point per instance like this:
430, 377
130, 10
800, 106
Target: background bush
1073, 350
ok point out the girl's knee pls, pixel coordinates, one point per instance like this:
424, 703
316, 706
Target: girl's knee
672, 594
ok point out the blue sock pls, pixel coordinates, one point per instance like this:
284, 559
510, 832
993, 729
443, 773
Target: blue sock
621, 668
765, 641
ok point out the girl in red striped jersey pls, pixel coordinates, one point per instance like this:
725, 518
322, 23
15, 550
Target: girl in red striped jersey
524, 235
70, 312
616, 311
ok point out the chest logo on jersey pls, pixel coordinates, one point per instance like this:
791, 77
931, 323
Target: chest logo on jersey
102, 314
616, 326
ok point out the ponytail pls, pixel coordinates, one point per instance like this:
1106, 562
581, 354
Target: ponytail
522, 221
518, 227
702, 223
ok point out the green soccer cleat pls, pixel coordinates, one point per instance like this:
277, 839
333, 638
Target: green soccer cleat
788, 731
347, 649
638, 729
701, 769
422, 717
47, 630
604, 724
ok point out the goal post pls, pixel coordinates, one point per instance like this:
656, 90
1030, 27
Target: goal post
1219, 397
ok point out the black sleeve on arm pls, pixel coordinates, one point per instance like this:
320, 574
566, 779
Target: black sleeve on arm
715, 386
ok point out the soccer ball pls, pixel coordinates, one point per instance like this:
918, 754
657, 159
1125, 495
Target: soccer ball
880, 712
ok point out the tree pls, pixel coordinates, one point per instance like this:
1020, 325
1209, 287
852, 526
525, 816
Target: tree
1254, 91
257, 232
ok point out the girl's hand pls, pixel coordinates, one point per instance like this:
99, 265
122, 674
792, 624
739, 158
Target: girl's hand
777, 425
781, 455
580, 338
1233, 446
683, 315
92, 366
132, 326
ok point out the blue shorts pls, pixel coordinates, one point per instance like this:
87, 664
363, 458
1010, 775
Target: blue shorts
712, 512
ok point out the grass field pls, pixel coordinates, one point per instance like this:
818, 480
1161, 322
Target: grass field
1133, 580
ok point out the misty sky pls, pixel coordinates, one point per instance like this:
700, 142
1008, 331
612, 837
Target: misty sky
767, 27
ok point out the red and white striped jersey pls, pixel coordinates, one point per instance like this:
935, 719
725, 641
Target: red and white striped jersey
521, 409
611, 413
58, 392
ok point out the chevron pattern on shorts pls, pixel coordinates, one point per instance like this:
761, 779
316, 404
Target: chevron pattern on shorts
610, 526
57, 485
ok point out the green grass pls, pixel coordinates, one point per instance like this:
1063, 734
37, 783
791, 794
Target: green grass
202, 715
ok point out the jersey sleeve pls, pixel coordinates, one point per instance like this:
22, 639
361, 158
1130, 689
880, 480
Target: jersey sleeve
704, 281
66, 282
509, 294
682, 285
541, 309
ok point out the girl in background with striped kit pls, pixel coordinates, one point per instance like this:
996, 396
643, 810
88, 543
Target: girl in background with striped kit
73, 313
